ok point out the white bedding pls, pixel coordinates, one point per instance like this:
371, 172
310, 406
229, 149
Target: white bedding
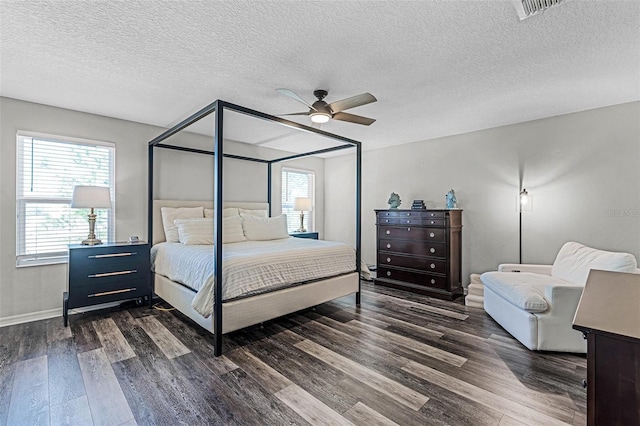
250, 267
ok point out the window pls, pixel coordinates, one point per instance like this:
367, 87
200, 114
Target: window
298, 183
48, 167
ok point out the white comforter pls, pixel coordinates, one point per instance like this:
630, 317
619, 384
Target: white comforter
250, 267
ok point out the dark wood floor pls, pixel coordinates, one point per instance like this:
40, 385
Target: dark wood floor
399, 359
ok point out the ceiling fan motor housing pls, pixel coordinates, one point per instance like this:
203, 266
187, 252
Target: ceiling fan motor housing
320, 94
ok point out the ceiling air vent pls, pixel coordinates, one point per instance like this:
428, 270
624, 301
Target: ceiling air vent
528, 8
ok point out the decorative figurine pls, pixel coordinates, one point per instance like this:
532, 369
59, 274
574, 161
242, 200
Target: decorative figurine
394, 201
451, 199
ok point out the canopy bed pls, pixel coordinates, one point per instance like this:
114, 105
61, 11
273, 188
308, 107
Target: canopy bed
217, 302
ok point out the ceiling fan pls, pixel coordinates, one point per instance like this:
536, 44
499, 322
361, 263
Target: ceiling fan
322, 112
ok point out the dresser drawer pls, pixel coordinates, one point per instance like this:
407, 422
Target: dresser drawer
433, 222
418, 245
411, 233
412, 277
420, 263
400, 221
432, 214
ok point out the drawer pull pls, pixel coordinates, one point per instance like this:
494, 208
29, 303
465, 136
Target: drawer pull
433, 281
111, 274
408, 229
388, 260
388, 273
106, 293
432, 234
433, 266
388, 245
388, 232
433, 214
386, 220
408, 221
408, 214
432, 250
433, 221
100, 256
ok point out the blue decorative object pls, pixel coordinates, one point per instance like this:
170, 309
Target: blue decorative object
394, 201
451, 199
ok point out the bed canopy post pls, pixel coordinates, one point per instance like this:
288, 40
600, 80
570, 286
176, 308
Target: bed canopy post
150, 210
217, 247
358, 219
269, 177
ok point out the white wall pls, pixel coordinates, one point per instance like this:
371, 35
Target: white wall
32, 291
582, 169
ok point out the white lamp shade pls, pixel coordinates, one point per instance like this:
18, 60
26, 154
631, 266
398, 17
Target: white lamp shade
97, 197
302, 204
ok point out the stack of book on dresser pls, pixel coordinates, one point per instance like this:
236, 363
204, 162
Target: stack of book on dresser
418, 205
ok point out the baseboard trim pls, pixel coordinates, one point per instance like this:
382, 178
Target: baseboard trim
50, 313
31, 316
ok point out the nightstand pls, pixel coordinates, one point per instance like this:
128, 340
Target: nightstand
106, 273
310, 235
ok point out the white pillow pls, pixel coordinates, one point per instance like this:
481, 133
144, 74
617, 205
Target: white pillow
259, 213
232, 230
195, 231
200, 230
229, 211
264, 228
170, 214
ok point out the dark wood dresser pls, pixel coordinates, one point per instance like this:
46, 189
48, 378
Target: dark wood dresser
609, 316
420, 251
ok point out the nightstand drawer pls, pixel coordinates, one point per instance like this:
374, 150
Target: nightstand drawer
106, 278
94, 295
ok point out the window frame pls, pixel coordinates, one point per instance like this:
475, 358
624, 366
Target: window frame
311, 221
54, 257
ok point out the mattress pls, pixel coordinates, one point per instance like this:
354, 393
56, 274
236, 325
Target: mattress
250, 267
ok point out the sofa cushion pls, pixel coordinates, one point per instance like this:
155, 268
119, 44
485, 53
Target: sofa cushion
525, 290
574, 261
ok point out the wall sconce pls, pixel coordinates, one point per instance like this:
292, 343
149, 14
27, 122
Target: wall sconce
91, 197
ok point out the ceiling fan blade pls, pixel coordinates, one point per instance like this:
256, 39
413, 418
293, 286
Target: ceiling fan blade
295, 96
352, 118
352, 102
296, 113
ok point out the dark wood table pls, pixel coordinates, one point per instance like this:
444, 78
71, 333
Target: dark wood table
609, 316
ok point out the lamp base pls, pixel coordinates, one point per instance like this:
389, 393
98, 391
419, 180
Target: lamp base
92, 242
301, 230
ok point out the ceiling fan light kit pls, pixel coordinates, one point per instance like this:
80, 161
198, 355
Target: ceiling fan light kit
321, 112
320, 117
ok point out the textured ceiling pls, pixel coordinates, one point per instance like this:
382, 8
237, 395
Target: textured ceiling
437, 67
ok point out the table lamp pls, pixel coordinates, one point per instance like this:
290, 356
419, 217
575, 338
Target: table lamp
91, 197
302, 204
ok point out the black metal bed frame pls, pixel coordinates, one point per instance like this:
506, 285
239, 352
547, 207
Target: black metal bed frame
218, 107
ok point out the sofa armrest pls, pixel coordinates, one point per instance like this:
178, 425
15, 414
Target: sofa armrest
563, 299
517, 267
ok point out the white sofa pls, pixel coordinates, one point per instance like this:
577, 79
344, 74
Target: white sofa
536, 303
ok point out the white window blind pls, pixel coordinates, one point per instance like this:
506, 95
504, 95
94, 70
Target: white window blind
48, 167
298, 183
